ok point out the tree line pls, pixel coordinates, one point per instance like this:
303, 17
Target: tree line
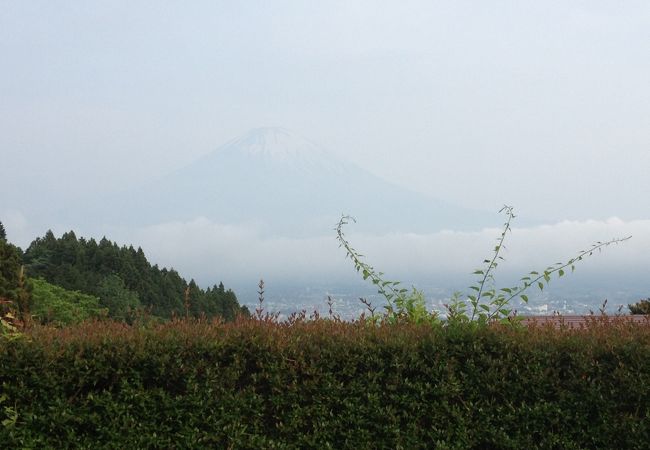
54, 276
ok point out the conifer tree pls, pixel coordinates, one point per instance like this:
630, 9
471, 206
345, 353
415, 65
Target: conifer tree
15, 292
122, 278
10, 271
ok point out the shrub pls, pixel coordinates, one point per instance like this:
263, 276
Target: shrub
641, 307
484, 304
327, 384
58, 306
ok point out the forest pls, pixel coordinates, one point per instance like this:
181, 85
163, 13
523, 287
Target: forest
69, 279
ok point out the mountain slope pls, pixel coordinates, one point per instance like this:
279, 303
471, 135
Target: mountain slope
287, 186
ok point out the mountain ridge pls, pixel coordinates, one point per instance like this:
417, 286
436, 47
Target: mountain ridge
287, 185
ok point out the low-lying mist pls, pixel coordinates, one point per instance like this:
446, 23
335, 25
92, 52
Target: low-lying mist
242, 254
207, 250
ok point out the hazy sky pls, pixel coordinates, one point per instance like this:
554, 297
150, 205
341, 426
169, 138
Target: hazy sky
542, 105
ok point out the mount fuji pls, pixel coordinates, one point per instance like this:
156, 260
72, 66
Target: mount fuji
284, 185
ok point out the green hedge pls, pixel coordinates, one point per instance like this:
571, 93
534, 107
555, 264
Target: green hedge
325, 384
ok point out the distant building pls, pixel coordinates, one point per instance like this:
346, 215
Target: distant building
559, 321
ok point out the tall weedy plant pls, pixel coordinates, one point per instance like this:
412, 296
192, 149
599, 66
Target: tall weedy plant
400, 302
486, 303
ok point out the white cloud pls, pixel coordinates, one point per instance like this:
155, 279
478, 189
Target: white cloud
211, 252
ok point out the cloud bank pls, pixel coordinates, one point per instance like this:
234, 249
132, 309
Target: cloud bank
211, 251
242, 254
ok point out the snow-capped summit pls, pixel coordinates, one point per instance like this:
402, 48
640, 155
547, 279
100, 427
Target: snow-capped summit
279, 146
274, 142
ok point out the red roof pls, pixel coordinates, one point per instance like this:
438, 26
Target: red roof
559, 321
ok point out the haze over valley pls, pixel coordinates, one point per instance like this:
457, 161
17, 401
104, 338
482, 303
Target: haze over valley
227, 141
